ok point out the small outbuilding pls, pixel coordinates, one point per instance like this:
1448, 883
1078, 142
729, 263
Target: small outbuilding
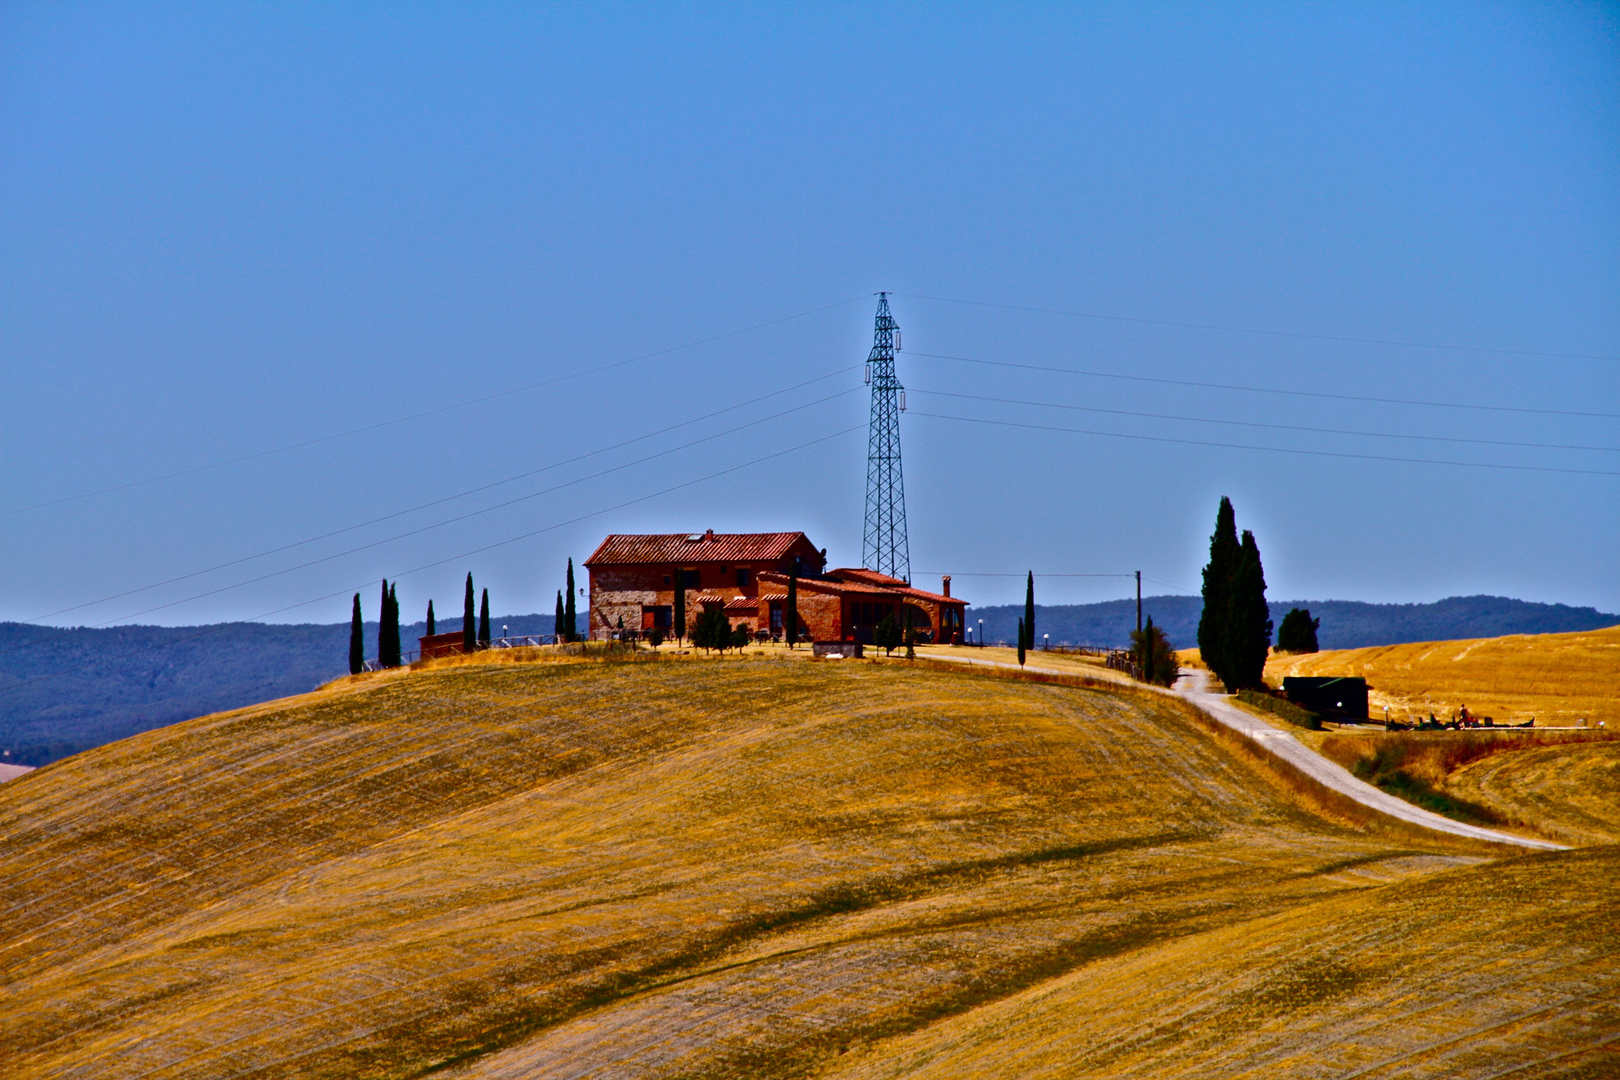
1331, 696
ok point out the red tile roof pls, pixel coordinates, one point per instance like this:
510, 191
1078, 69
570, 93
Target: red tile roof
859, 585
689, 548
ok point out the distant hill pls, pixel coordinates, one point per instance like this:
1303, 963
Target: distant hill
120, 681
113, 683
1346, 624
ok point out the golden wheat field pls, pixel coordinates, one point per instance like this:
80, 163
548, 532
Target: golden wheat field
758, 868
1554, 678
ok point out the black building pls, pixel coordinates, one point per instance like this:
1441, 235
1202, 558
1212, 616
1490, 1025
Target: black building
1329, 696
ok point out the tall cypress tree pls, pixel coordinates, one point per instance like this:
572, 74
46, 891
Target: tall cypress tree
432, 628
382, 627
483, 621
1224, 552
1020, 642
1029, 611
1249, 625
469, 628
680, 603
557, 621
790, 610
569, 615
357, 640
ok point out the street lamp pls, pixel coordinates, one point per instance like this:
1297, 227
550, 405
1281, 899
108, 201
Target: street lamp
504, 636
981, 633
1046, 642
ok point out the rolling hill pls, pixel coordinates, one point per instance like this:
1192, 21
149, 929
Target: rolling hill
761, 867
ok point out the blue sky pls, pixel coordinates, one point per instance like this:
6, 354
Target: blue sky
231, 229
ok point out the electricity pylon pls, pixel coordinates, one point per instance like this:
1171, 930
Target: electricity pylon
883, 544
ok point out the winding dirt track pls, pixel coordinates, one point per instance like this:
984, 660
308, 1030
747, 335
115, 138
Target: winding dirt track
1191, 687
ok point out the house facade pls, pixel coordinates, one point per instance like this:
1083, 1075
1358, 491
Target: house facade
633, 578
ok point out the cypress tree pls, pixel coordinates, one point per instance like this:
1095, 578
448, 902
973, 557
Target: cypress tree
790, 610
357, 640
395, 656
382, 627
557, 621
1249, 626
483, 621
469, 628
569, 615
432, 628
1020, 642
1029, 611
680, 604
1224, 552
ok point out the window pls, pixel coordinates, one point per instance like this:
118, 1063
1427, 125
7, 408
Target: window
692, 579
776, 616
666, 579
742, 578
656, 617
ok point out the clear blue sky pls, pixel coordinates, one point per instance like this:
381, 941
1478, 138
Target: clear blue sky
228, 229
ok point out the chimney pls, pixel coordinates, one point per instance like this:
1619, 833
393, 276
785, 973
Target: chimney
946, 585
709, 535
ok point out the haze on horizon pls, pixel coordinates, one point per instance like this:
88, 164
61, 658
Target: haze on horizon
269, 234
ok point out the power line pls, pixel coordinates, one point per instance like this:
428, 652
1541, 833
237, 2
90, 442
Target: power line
1265, 389
1268, 333
427, 412
440, 562
1268, 449
459, 494
439, 524
1275, 427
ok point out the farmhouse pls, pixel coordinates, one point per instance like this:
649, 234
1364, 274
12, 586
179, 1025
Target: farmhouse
634, 577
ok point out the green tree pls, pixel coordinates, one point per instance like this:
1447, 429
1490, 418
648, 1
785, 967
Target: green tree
739, 636
483, 621
680, 604
1154, 654
432, 627
790, 610
557, 621
711, 629
1020, 642
569, 615
1297, 634
1214, 622
1029, 611
886, 634
1249, 628
395, 653
357, 640
469, 624
388, 629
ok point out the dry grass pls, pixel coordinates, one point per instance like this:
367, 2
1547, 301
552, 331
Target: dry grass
1568, 793
1555, 678
734, 868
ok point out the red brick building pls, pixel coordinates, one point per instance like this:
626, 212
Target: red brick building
633, 581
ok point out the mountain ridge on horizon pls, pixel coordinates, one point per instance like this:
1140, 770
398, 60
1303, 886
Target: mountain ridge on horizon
119, 681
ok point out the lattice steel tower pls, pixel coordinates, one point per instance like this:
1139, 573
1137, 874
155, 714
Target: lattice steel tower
883, 545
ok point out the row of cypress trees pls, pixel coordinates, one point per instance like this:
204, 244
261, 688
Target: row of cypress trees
1234, 631
565, 624
474, 635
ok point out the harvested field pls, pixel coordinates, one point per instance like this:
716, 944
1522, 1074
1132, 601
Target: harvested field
1570, 793
749, 867
1553, 678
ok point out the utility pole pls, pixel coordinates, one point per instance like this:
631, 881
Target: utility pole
884, 547
1139, 601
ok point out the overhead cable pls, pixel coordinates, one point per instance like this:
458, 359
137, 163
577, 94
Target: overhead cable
440, 562
1263, 389
430, 412
1269, 333
1267, 449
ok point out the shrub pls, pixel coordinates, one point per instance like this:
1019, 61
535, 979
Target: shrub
1281, 707
886, 635
655, 637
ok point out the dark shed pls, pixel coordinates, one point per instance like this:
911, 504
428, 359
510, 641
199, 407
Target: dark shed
1332, 696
